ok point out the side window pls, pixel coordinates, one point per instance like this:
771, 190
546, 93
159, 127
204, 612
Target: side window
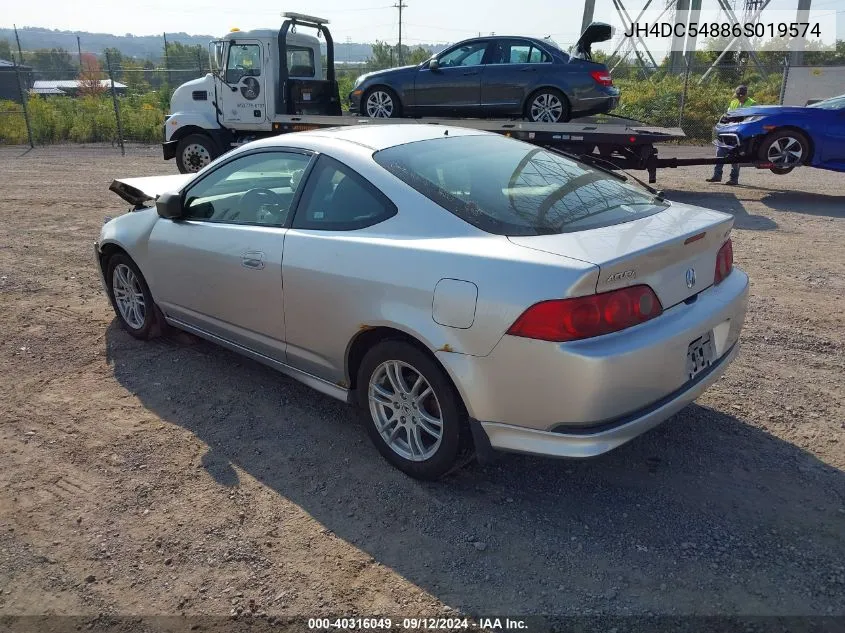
244, 61
256, 189
538, 56
336, 198
467, 55
519, 53
300, 61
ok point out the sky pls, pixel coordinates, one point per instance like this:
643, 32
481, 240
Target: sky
425, 21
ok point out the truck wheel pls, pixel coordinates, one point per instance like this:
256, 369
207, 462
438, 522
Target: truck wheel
785, 149
194, 152
381, 103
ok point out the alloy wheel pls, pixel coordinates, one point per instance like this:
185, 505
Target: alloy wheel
129, 296
379, 105
546, 108
405, 410
786, 151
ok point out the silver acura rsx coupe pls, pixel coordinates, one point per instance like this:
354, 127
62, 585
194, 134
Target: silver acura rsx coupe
469, 292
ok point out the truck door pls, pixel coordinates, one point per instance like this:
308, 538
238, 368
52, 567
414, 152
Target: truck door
243, 98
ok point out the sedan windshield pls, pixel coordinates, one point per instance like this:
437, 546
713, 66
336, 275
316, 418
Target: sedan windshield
834, 103
508, 187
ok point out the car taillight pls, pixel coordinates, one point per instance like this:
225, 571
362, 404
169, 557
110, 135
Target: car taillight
584, 317
724, 262
601, 77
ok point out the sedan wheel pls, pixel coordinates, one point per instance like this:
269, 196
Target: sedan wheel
411, 410
405, 410
380, 104
131, 298
785, 150
548, 107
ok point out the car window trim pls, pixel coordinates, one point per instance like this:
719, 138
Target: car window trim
263, 150
369, 186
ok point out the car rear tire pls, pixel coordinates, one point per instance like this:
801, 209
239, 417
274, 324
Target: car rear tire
548, 105
131, 298
194, 152
412, 412
786, 149
381, 102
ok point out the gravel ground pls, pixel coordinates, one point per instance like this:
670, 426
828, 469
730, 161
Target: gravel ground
174, 477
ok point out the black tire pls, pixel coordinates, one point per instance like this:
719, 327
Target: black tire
781, 171
395, 108
784, 143
194, 152
550, 94
153, 323
455, 447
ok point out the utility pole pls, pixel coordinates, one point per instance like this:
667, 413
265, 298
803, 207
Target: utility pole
18, 40
400, 6
166, 62
589, 11
79, 50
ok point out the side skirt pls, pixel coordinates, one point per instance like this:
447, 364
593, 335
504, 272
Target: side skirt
314, 382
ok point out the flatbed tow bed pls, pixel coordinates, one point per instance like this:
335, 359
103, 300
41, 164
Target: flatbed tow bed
626, 144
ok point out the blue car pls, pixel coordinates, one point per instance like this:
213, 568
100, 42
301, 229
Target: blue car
787, 136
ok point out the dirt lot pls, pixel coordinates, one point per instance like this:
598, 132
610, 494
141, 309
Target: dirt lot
169, 477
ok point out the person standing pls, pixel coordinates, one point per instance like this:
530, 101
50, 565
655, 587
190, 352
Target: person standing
740, 100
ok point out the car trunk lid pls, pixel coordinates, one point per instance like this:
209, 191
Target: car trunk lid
594, 33
658, 250
137, 191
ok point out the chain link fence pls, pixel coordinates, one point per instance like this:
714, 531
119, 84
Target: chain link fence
118, 100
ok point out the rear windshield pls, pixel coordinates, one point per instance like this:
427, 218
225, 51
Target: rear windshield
507, 187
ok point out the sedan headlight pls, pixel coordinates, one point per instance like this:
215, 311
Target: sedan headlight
358, 81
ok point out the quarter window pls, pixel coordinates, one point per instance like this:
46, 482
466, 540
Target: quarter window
336, 198
256, 189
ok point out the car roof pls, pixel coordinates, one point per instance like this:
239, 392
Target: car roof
375, 137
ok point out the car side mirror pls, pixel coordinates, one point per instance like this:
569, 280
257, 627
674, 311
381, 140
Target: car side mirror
169, 206
434, 64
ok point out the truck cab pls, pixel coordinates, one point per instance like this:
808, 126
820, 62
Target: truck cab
256, 76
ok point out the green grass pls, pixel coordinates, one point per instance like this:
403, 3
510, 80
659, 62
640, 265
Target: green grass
90, 119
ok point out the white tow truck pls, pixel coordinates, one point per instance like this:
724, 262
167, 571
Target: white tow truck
267, 82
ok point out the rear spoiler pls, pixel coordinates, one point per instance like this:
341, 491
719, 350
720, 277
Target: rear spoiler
138, 191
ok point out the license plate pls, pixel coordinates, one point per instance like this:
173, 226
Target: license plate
700, 355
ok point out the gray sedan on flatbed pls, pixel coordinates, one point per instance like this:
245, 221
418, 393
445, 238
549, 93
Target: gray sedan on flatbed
467, 291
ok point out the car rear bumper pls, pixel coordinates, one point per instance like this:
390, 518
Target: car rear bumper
507, 437
586, 397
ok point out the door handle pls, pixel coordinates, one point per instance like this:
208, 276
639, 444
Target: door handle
528, 70
474, 72
253, 260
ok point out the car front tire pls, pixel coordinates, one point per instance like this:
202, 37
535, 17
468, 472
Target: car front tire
785, 149
381, 102
131, 298
412, 412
